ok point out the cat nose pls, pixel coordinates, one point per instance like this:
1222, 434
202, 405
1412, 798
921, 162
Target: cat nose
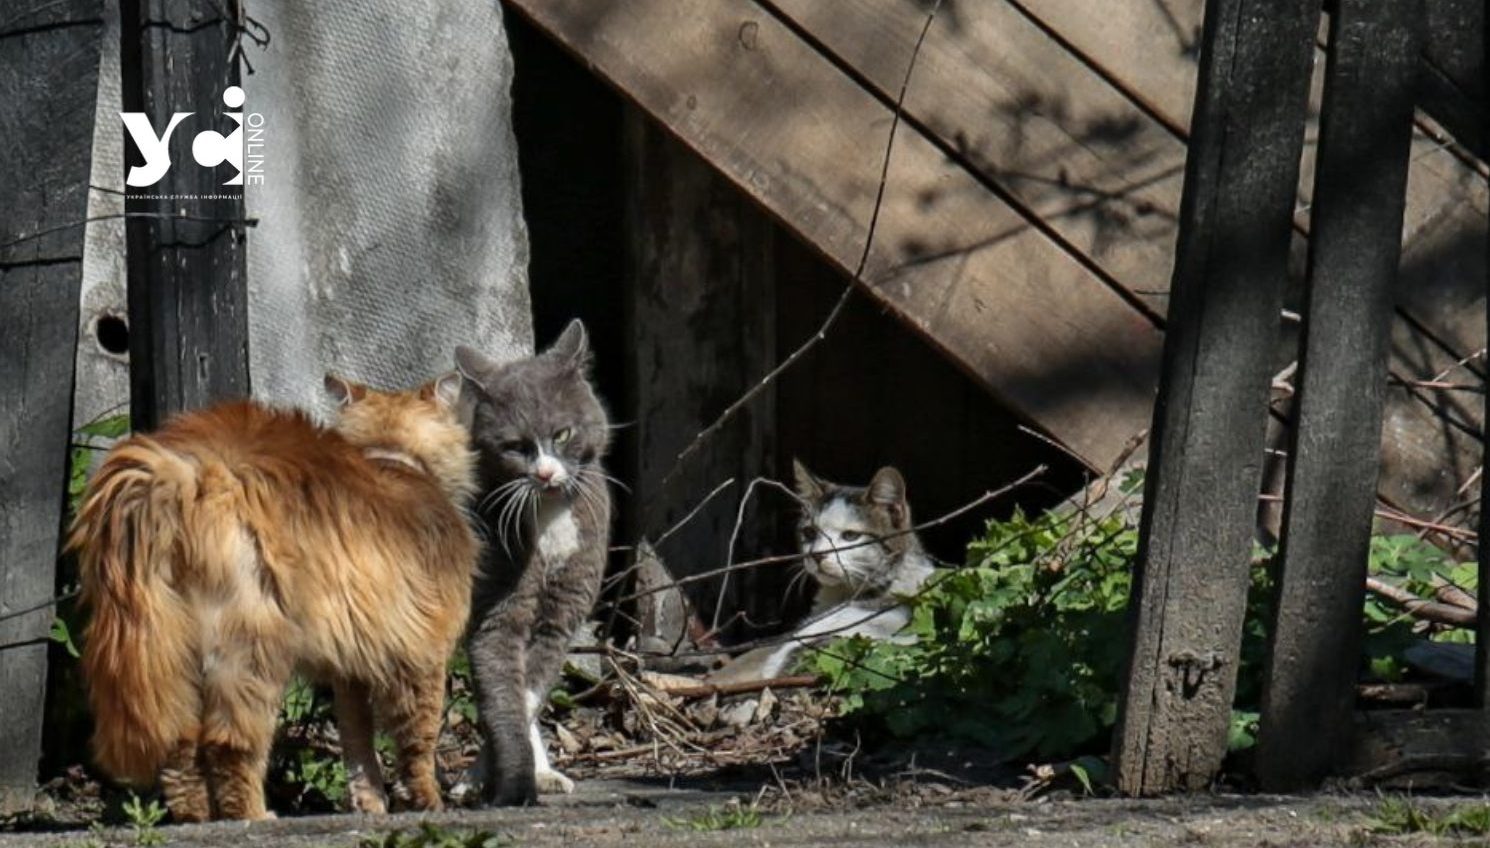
548, 470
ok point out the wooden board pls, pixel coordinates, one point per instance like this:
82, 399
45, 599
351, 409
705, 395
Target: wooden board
1004, 300
49, 56
701, 288
1146, 49
187, 292
1200, 501
1315, 640
1029, 120
1401, 748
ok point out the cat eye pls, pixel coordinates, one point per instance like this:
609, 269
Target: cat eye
563, 436
808, 534
513, 446
851, 535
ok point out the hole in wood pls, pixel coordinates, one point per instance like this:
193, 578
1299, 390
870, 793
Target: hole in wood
112, 333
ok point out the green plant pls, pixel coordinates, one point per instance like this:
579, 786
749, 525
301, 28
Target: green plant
428, 835
143, 818
97, 435
1399, 816
319, 772
730, 816
1019, 651
61, 633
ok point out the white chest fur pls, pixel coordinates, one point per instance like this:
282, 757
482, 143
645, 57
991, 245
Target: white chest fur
558, 534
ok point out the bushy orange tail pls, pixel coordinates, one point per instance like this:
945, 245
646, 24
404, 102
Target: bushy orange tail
139, 651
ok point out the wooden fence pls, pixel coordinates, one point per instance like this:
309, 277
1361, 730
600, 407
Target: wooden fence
1200, 506
188, 347
188, 340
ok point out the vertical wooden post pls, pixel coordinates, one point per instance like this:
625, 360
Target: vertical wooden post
702, 319
185, 236
49, 54
1354, 249
1200, 504
1482, 621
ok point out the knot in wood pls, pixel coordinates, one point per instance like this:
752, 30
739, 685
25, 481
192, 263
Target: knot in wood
1194, 667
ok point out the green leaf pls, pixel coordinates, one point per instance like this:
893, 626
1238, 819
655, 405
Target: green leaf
111, 427
62, 635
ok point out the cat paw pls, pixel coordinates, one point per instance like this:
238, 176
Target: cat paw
551, 782
368, 801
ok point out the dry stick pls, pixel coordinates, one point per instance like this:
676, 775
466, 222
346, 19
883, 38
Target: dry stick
857, 279
1417, 607
1449, 530
788, 637
930, 584
635, 566
754, 563
734, 537
705, 690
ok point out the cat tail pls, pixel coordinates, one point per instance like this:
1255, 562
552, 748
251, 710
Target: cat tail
139, 653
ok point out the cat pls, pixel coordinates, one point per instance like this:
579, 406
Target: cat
240, 544
541, 434
859, 547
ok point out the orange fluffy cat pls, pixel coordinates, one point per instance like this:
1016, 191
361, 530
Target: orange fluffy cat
240, 544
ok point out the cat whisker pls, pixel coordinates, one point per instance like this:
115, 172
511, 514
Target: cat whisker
495, 495
602, 475
490, 498
585, 488
511, 506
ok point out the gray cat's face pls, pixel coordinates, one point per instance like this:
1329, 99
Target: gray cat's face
536, 423
852, 536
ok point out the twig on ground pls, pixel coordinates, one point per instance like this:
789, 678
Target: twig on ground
705, 690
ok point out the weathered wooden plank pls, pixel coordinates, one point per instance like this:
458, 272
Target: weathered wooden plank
1482, 553
1452, 84
1029, 119
701, 288
1147, 50
1354, 251
185, 236
969, 273
49, 55
1403, 747
1209, 424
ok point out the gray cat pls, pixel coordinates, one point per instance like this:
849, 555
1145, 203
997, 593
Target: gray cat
858, 545
541, 434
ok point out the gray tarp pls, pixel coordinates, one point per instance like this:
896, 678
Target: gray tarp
390, 223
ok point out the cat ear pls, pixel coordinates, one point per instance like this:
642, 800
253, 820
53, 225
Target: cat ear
887, 489
473, 364
808, 486
344, 392
572, 346
445, 389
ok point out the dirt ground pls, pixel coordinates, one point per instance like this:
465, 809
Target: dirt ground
640, 813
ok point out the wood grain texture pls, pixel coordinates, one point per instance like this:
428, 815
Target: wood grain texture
1148, 50
1200, 502
1355, 242
958, 264
185, 239
49, 56
1028, 119
1401, 748
701, 288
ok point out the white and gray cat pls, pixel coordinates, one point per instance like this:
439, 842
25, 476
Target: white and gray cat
541, 434
857, 543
